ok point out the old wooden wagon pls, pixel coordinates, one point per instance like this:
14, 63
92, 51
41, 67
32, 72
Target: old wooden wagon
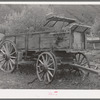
63, 43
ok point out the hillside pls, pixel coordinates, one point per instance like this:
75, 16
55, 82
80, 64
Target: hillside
83, 13
28, 14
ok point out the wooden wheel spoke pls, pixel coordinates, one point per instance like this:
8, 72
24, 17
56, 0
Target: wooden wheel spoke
5, 51
76, 58
42, 76
41, 72
10, 47
10, 64
50, 69
6, 47
1, 55
3, 64
48, 77
79, 57
43, 58
45, 77
38, 66
81, 60
50, 64
39, 69
49, 60
12, 61
50, 73
2, 60
13, 57
13, 53
84, 63
41, 62
46, 58
2, 51
7, 66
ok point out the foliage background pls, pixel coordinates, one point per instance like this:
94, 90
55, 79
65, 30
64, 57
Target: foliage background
17, 19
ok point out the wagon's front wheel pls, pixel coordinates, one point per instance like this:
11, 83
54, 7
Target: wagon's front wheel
8, 56
46, 67
82, 60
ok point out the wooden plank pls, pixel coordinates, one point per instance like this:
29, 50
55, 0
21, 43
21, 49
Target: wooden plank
49, 40
33, 41
86, 68
11, 39
20, 42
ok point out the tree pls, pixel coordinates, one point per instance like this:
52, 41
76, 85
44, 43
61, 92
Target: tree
96, 26
30, 19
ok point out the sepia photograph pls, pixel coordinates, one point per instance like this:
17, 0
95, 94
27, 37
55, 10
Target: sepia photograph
50, 46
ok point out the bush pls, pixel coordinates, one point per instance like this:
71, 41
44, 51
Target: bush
30, 19
96, 26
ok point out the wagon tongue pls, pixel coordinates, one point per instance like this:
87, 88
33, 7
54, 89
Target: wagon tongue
86, 69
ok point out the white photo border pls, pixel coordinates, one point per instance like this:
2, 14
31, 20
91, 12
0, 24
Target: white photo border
50, 93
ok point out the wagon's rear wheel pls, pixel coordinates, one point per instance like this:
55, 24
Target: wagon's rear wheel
82, 60
8, 56
46, 67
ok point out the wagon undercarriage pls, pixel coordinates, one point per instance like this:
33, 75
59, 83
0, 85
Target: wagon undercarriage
47, 63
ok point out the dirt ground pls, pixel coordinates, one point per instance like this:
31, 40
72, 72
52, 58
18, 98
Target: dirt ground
22, 78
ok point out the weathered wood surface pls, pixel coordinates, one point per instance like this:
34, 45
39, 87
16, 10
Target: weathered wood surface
41, 41
51, 40
33, 42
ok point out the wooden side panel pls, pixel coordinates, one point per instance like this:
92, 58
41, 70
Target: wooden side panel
47, 41
20, 42
10, 38
65, 41
92, 46
42, 41
55, 40
33, 42
78, 43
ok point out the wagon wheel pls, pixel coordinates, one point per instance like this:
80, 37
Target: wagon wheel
46, 67
8, 56
82, 60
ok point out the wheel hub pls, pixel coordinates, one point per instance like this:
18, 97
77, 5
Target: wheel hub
7, 57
